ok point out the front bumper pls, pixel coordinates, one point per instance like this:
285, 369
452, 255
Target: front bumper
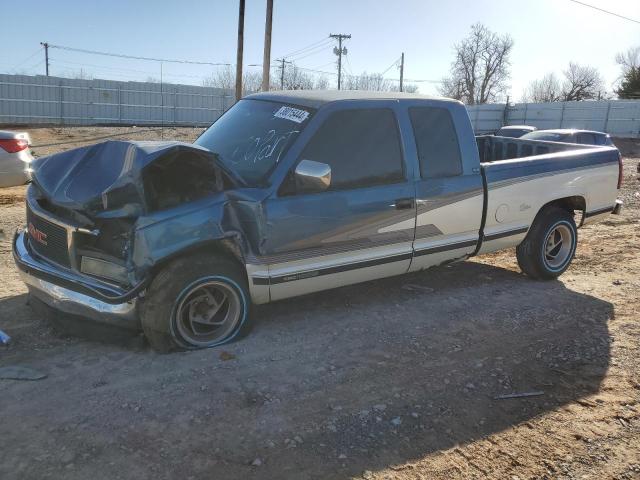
70, 293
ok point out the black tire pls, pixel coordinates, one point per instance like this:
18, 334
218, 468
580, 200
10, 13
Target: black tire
533, 258
191, 279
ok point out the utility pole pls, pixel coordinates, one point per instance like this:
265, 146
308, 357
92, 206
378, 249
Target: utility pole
46, 56
240, 48
339, 51
282, 64
266, 61
401, 70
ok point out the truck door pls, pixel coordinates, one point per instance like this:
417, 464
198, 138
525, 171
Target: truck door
449, 190
362, 226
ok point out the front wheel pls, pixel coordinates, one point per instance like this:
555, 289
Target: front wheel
197, 301
547, 250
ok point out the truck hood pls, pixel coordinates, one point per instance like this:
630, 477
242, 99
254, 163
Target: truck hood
107, 179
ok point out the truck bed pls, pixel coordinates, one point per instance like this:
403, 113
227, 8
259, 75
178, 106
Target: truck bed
522, 176
492, 148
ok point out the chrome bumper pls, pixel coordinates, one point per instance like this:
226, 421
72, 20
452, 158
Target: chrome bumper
62, 290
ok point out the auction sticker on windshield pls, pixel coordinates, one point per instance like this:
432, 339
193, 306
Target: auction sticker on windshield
293, 114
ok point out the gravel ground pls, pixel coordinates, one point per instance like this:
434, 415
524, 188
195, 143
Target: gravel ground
392, 379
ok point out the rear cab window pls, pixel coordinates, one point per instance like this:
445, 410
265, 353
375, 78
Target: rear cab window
436, 141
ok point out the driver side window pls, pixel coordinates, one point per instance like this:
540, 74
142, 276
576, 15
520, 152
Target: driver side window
362, 147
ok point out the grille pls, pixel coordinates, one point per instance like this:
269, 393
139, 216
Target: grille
47, 239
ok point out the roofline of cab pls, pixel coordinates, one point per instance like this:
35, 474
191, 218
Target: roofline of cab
314, 100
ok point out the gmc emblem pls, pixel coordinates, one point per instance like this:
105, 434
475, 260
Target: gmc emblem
38, 235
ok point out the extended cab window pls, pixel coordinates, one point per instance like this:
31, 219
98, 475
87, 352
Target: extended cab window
362, 147
436, 141
586, 138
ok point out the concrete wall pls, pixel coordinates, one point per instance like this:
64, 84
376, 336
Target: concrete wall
30, 100
619, 118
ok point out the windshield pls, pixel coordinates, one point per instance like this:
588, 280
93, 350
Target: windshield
549, 136
252, 137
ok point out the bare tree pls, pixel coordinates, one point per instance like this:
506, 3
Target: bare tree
321, 83
629, 60
225, 77
251, 82
297, 79
546, 89
406, 88
367, 81
581, 83
81, 75
480, 70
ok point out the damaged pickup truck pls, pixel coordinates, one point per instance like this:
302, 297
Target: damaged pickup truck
291, 193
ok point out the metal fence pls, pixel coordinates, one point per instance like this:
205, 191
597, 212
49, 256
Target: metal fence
29, 100
620, 118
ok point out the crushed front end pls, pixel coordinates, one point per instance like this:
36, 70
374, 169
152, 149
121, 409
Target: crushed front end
88, 208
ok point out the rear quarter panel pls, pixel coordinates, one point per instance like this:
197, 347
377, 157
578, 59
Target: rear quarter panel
518, 189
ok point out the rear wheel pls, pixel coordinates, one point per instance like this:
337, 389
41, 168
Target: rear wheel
197, 301
550, 245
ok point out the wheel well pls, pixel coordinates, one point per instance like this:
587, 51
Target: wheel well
223, 247
570, 204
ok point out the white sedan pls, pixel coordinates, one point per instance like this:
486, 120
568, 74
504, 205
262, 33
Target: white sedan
15, 158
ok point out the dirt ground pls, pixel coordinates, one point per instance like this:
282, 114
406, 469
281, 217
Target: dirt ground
393, 379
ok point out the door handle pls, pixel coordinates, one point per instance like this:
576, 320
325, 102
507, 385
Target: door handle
403, 203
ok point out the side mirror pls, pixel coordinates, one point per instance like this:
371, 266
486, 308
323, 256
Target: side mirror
312, 177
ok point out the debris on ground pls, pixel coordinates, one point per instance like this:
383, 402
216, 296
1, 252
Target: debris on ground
18, 372
519, 395
224, 356
4, 338
417, 288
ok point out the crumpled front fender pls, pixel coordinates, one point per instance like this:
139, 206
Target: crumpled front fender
165, 235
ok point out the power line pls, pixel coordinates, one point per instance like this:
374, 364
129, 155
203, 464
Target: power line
314, 44
26, 59
35, 65
318, 67
310, 53
123, 69
391, 66
120, 55
415, 80
605, 11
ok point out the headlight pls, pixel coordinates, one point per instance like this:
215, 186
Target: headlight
104, 269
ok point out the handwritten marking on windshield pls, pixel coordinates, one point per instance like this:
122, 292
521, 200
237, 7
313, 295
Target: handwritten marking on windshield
270, 146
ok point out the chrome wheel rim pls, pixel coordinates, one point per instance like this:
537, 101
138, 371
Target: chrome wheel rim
558, 246
208, 313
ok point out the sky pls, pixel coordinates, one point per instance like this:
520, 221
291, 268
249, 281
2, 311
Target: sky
548, 34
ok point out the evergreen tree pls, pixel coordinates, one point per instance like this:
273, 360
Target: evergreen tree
630, 85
